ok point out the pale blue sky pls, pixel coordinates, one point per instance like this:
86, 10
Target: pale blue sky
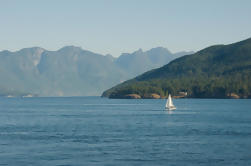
116, 26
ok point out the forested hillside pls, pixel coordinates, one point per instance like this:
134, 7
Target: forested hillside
220, 71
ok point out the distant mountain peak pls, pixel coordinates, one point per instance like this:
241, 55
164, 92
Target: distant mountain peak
159, 50
32, 49
70, 48
138, 51
109, 55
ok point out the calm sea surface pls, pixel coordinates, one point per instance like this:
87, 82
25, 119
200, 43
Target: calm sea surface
98, 131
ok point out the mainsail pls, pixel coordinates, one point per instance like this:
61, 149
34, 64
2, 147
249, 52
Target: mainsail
169, 103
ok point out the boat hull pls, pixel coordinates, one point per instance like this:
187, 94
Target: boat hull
170, 108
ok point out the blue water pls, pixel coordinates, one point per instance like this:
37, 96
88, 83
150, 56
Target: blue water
97, 131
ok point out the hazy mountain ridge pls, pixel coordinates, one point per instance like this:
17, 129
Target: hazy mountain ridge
72, 71
139, 61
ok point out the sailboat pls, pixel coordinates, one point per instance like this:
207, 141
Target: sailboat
169, 103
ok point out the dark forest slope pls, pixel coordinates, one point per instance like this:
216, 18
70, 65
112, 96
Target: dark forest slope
215, 72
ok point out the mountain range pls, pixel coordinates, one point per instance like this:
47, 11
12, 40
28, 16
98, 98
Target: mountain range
219, 71
72, 71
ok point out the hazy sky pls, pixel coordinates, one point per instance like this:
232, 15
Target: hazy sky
116, 26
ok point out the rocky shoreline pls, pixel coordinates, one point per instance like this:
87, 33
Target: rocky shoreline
179, 96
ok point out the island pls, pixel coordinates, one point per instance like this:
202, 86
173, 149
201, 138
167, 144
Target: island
219, 71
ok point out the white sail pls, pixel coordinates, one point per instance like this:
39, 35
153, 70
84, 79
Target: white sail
169, 103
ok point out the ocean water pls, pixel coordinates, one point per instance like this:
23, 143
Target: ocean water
98, 131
